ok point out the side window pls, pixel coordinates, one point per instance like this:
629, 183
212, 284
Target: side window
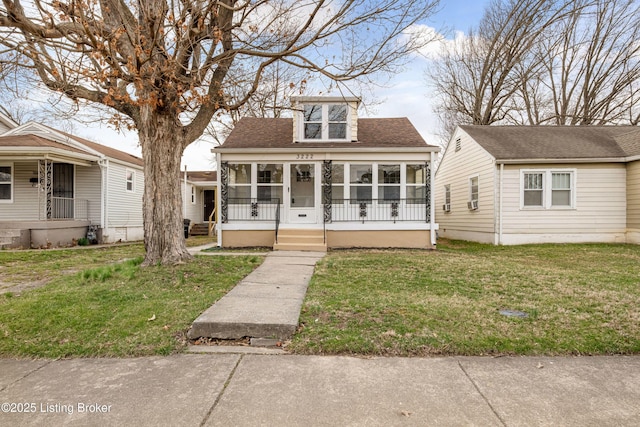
131, 178
6, 183
473, 193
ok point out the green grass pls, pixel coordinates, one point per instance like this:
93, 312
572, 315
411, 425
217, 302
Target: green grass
115, 310
581, 299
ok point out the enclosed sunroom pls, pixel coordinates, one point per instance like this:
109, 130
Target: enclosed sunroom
326, 179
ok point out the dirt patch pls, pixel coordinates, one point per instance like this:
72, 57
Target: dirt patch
17, 288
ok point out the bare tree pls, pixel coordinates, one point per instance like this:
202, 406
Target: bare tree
475, 78
271, 99
539, 62
591, 64
167, 67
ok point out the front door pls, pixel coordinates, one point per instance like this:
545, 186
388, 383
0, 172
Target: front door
209, 204
302, 182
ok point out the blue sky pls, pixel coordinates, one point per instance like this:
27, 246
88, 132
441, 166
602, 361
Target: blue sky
406, 95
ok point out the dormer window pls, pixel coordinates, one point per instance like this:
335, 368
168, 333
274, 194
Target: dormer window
324, 122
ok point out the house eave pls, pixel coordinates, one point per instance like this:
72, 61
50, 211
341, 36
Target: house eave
53, 154
567, 160
300, 147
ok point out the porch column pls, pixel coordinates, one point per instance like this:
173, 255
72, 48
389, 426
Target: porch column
45, 190
224, 191
326, 189
427, 193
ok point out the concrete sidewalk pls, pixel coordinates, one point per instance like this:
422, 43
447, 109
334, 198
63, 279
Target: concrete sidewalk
255, 390
265, 304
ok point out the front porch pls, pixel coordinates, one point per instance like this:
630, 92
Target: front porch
343, 223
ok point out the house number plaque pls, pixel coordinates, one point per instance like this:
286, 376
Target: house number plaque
304, 156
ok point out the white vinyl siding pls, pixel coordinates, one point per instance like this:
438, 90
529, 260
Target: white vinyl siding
88, 183
124, 208
24, 205
633, 195
599, 202
455, 169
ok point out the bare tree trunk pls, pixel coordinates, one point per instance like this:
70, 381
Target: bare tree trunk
162, 146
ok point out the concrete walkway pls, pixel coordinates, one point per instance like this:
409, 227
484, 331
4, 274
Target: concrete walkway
255, 390
265, 304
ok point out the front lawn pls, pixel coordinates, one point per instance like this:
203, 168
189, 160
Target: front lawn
579, 299
111, 309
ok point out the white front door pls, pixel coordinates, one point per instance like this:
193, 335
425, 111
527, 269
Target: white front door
302, 195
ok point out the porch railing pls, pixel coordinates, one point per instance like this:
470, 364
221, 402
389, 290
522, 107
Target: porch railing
393, 210
69, 208
246, 209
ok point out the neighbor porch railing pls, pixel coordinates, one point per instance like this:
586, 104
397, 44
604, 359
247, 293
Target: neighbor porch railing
68, 208
391, 210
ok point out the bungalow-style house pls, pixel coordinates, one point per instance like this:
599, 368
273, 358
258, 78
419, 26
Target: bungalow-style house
325, 179
53, 186
537, 184
199, 201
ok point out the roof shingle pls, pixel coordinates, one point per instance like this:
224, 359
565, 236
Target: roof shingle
251, 132
556, 142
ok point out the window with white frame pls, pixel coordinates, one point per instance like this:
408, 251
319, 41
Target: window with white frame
6, 183
324, 122
532, 193
388, 182
130, 178
545, 189
416, 183
447, 198
270, 182
360, 183
337, 183
473, 192
239, 183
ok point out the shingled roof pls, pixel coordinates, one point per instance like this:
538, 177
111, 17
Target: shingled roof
251, 133
557, 142
34, 141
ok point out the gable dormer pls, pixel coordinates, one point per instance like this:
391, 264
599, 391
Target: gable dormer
325, 119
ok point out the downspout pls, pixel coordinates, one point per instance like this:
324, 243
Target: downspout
104, 167
432, 211
500, 206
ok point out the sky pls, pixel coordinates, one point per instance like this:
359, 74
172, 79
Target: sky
406, 95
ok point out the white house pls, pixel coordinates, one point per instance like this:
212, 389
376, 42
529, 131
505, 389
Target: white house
537, 184
53, 186
325, 179
199, 200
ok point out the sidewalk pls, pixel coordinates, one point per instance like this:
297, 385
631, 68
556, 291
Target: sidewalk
264, 305
258, 390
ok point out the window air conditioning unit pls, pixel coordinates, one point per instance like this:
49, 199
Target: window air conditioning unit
446, 207
472, 205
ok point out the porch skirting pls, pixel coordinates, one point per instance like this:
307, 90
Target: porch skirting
43, 234
410, 239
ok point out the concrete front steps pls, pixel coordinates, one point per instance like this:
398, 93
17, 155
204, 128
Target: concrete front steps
290, 239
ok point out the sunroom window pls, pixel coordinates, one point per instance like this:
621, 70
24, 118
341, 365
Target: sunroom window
361, 183
269, 182
416, 183
239, 183
389, 182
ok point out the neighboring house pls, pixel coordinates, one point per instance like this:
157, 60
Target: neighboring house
537, 184
325, 178
54, 185
199, 200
